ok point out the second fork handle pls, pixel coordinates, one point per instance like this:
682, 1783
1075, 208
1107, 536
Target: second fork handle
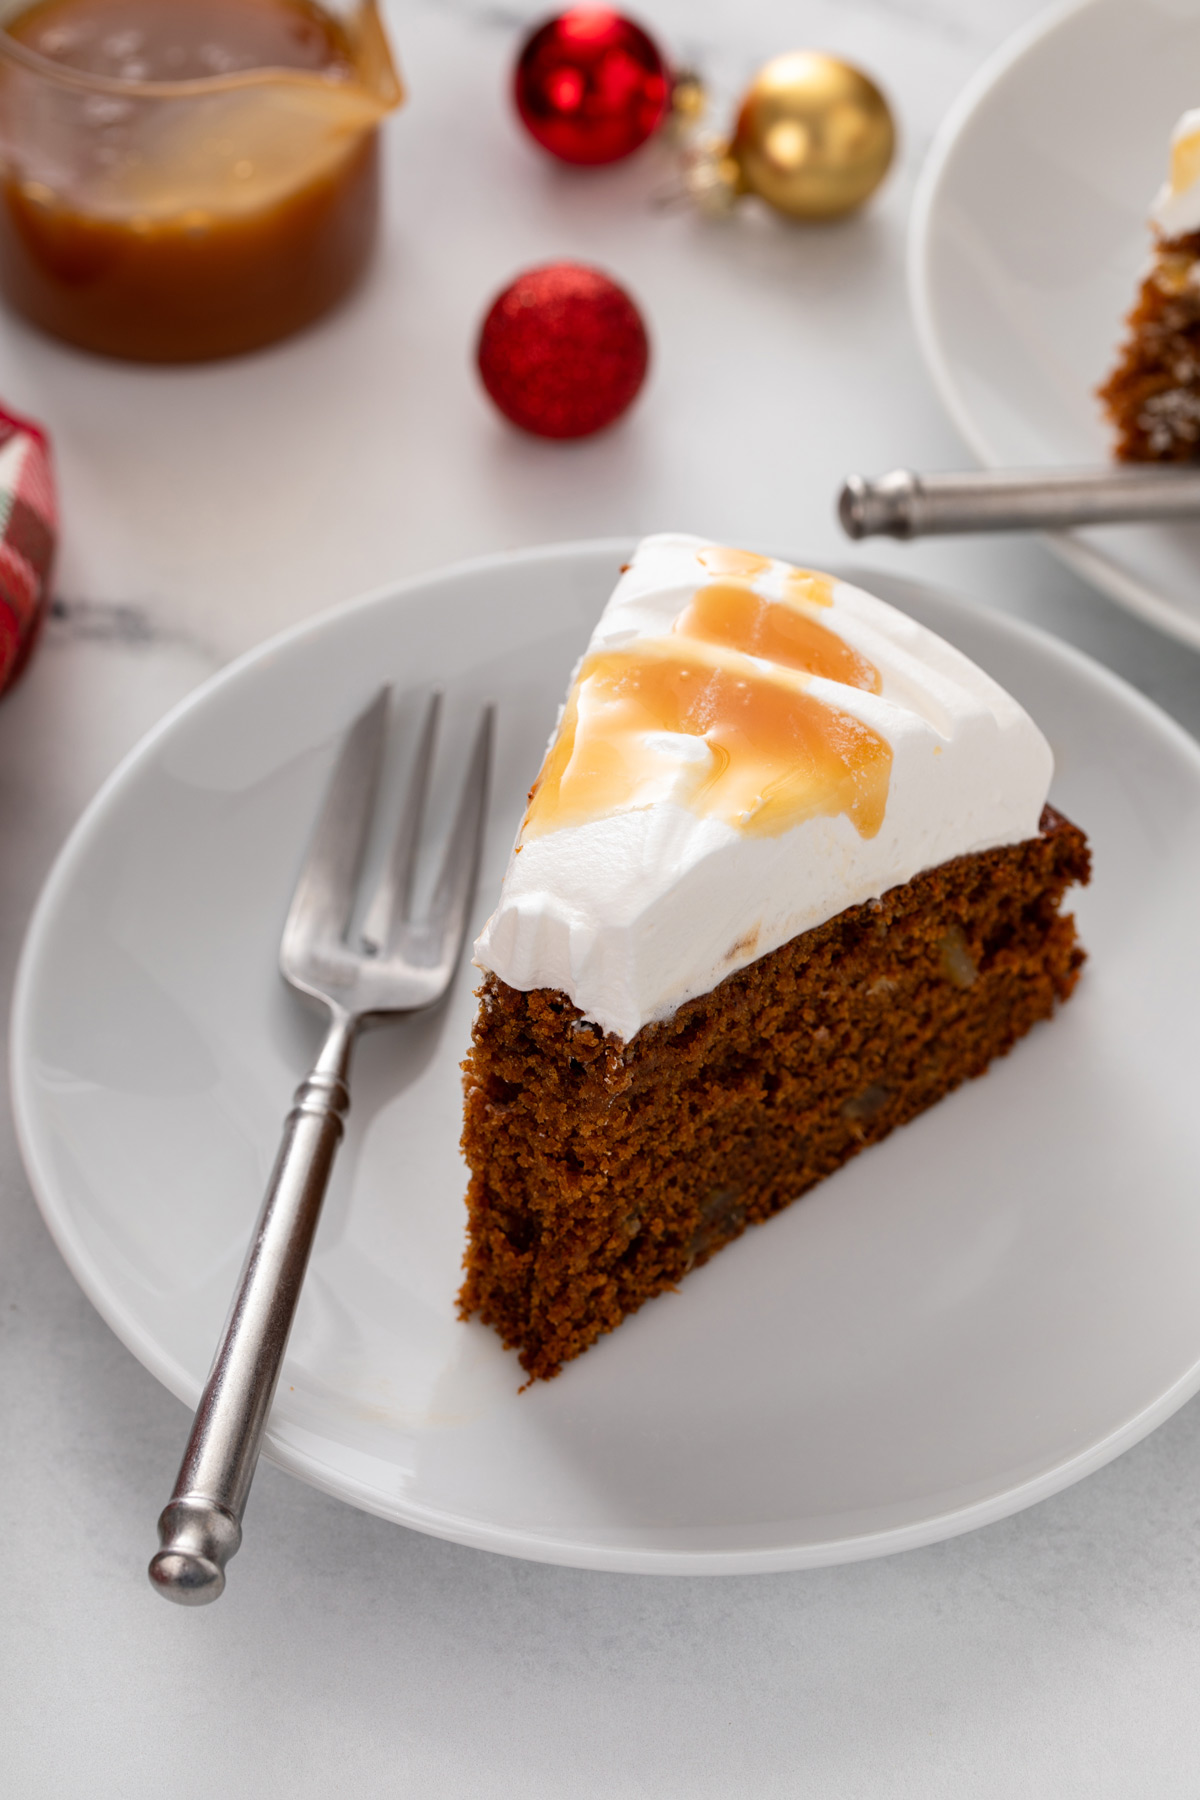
201, 1526
904, 504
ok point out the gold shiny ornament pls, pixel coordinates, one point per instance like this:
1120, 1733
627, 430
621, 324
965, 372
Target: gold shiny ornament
814, 137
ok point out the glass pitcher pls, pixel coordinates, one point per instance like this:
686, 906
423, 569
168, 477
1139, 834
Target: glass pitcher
177, 219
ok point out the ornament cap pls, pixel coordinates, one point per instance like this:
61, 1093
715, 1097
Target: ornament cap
689, 104
712, 176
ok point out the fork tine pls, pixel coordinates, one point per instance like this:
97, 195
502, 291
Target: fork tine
395, 884
324, 896
456, 878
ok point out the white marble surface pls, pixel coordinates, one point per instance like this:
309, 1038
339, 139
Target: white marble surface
1056, 1654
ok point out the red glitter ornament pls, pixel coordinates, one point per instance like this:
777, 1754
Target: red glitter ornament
563, 351
591, 86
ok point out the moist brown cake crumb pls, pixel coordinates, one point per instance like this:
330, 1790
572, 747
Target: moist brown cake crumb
1152, 396
603, 1171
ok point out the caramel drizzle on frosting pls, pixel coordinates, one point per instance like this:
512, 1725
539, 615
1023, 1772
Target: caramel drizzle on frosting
744, 565
720, 717
1185, 162
733, 614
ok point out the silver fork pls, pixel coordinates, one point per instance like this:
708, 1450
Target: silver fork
401, 964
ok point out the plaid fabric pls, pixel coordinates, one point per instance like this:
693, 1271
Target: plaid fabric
28, 533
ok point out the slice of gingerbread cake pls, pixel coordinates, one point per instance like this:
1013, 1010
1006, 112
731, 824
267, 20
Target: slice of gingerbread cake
1152, 397
787, 876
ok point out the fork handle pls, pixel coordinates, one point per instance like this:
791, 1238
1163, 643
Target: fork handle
903, 504
201, 1525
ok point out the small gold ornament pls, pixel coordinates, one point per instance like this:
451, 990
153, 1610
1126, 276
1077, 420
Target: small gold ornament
814, 139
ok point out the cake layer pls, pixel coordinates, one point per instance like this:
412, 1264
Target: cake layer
1152, 396
747, 749
602, 1170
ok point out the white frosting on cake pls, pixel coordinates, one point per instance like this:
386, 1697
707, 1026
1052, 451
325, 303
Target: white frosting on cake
634, 912
1176, 209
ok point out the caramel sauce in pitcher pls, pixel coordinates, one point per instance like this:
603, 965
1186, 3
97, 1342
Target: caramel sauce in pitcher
188, 221
720, 718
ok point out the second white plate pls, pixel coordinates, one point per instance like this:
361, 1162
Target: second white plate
970, 1316
1029, 237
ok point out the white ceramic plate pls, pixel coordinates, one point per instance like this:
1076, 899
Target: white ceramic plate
1029, 237
972, 1315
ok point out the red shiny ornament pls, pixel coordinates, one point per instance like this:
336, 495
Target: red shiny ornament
563, 351
591, 86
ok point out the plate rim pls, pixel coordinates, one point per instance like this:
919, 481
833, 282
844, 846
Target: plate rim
1093, 565
506, 1540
